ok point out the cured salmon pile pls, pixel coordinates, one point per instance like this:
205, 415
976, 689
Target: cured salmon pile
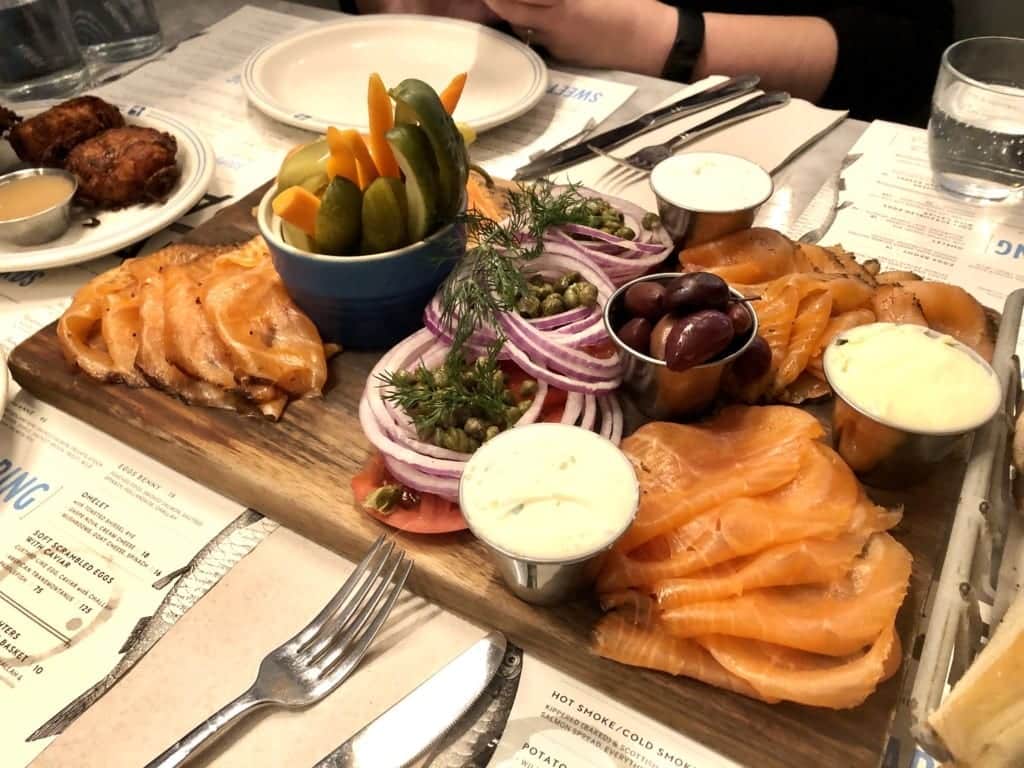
756, 563
210, 324
807, 295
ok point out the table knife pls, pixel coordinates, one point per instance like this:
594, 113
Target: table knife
403, 732
561, 158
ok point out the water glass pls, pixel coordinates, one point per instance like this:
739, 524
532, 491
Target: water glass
39, 57
115, 30
976, 131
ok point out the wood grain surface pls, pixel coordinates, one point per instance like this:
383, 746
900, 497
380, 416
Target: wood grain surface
297, 471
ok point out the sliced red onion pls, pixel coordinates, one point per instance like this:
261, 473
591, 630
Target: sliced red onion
562, 319
570, 384
368, 420
589, 412
411, 477
573, 407
558, 354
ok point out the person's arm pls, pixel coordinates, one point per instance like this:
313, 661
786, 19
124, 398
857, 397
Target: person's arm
795, 53
791, 53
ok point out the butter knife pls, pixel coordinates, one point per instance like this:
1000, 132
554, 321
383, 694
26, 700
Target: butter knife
555, 160
406, 730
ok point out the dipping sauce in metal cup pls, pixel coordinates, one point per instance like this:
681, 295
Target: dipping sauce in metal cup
548, 500
703, 196
905, 397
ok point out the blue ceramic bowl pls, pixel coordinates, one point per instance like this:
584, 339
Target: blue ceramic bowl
362, 302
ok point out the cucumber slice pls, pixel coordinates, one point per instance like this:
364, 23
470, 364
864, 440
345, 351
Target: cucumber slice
414, 156
416, 98
303, 165
385, 216
296, 238
338, 222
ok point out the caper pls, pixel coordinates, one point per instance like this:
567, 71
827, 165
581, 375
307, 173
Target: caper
610, 218
512, 415
587, 294
462, 440
625, 233
508, 397
491, 433
593, 221
650, 221
565, 281
498, 377
441, 377
571, 297
528, 306
469, 376
528, 388
472, 444
542, 291
384, 498
425, 433
552, 305
593, 206
474, 427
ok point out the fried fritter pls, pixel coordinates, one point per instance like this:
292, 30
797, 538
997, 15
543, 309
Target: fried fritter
8, 119
47, 138
123, 166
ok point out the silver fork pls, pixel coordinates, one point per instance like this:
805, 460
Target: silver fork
306, 668
645, 159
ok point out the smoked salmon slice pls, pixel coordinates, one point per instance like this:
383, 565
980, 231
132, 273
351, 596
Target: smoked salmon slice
618, 639
144, 323
836, 325
749, 256
807, 561
835, 619
812, 317
777, 672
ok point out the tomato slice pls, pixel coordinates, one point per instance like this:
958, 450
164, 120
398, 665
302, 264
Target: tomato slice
433, 514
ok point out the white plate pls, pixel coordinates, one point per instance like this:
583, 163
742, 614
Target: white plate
118, 229
317, 78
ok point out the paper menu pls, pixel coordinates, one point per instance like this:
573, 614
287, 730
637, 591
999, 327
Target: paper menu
569, 103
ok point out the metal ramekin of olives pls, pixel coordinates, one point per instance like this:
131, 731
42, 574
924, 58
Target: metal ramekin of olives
678, 332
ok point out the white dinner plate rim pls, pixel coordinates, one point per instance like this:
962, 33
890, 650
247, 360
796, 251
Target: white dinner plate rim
190, 191
266, 103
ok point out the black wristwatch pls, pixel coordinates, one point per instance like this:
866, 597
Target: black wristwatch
689, 42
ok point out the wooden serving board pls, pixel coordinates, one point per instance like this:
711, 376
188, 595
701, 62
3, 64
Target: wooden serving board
297, 471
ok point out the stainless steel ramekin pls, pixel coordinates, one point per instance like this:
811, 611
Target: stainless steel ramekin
44, 226
655, 390
903, 457
547, 581
689, 225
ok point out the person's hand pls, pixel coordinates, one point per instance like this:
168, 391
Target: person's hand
612, 34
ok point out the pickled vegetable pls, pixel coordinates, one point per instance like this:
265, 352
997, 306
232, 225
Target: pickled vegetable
338, 222
418, 102
384, 226
296, 238
307, 162
694, 291
645, 300
739, 313
636, 334
299, 207
415, 157
697, 338
755, 361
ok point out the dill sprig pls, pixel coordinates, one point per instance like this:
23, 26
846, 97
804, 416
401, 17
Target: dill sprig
447, 396
489, 278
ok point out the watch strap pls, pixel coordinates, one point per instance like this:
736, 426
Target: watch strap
689, 42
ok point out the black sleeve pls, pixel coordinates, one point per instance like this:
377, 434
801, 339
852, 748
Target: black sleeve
888, 57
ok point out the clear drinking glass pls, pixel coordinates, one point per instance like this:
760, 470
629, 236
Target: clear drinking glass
39, 58
976, 131
115, 30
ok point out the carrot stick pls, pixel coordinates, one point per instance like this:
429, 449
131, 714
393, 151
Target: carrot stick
450, 96
382, 120
364, 163
298, 206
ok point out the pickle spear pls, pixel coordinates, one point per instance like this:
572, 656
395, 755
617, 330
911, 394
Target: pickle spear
418, 102
338, 222
413, 153
385, 216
